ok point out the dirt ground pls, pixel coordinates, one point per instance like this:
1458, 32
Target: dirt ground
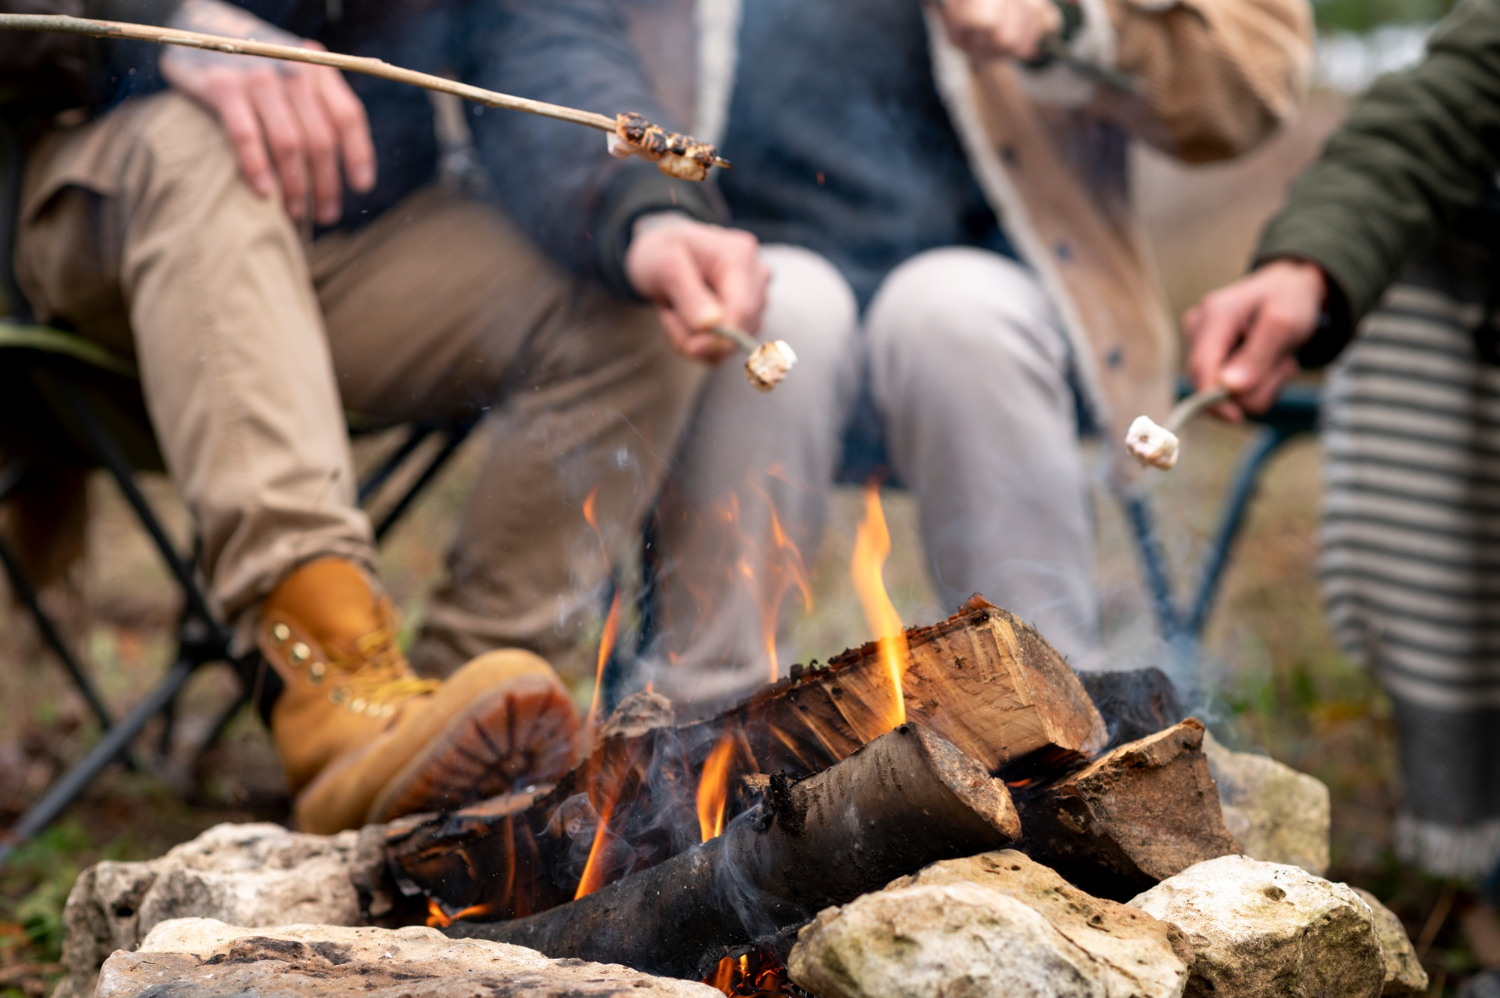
1277, 683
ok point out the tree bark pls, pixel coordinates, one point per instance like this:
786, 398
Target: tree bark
981, 679
906, 799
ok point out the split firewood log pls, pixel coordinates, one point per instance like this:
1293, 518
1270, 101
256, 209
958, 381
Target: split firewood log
1136, 815
981, 679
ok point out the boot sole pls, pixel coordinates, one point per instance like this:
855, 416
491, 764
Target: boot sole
527, 733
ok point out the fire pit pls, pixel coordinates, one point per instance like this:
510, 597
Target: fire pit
945, 808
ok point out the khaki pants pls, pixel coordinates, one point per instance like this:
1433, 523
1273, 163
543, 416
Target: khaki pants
139, 231
968, 366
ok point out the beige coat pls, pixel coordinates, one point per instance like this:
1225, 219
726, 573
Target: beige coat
1050, 149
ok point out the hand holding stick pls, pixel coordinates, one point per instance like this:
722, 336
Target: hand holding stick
1158, 446
767, 364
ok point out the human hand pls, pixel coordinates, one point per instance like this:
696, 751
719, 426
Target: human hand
699, 276
288, 121
990, 29
1245, 336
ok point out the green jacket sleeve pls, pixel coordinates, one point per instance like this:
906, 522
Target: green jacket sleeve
1419, 148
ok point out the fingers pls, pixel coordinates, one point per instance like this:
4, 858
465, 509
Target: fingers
730, 261
352, 126
243, 128
320, 147
996, 28
700, 276
1245, 337
284, 137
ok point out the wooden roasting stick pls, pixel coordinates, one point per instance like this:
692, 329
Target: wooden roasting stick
676, 155
906, 799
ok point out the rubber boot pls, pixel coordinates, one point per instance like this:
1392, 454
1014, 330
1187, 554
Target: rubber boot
363, 739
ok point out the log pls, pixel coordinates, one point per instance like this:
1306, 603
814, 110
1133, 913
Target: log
981, 679
1134, 703
906, 799
1135, 816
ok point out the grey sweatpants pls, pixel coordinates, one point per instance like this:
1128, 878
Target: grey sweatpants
968, 367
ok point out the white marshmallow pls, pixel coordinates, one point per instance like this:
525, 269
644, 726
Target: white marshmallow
1152, 444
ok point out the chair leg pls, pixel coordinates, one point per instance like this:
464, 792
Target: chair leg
27, 594
456, 435
119, 468
76, 780
1253, 459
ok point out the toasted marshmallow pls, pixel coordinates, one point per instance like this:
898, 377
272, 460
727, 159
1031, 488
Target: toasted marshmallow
1152, 444
769, 364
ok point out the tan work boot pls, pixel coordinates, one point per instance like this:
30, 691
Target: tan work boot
363, 739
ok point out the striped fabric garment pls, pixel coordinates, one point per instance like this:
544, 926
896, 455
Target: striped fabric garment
1411, 561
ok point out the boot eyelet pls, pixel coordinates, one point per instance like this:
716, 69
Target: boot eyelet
316, 671
338, 695
300, 653
281, 633
357, 705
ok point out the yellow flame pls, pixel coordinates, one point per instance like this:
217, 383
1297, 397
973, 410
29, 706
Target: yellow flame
606, 646
872, 545
713, 788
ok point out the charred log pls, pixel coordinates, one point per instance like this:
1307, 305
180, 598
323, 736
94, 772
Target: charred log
1134, 703
982, 679
1135, 816
906, 799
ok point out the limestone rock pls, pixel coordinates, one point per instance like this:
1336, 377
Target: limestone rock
255, 874
1278, 814
1137, 956
203, 958
1261, 929
939, 941
1403, 971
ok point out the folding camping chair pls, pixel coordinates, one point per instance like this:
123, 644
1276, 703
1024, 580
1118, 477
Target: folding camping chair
65, 400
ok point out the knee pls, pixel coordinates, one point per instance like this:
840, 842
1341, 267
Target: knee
810, 305
964, 303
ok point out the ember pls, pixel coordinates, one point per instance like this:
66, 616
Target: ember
756, 973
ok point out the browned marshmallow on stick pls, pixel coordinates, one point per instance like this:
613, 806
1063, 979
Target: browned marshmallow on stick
768, 363
674, 154
679, 156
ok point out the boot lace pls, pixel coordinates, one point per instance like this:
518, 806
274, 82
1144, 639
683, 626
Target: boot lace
377, 673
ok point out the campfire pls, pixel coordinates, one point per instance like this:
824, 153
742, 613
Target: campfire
698, 850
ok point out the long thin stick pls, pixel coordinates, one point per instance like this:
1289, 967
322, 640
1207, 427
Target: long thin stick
1194, 404
291, 53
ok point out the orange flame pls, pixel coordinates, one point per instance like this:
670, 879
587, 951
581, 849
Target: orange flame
438, 919
872, 545
606, 646
612, 619
593, 870
713, 788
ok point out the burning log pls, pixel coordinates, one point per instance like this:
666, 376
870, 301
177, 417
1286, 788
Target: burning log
982, 680
1141, 813
906, 799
